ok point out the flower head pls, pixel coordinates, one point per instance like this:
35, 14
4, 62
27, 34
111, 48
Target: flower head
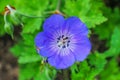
63, 41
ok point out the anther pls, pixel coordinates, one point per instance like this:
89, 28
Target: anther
62, 36
58, 45
57, 41
67, 45
63, 46
58, 38
65, 38
69, 41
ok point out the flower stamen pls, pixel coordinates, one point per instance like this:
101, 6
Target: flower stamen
63, 41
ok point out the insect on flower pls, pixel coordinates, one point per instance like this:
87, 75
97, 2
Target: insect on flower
63, 41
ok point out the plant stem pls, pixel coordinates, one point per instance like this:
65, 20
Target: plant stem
58, 5
29, 16
11, 10
66, 74
5, 16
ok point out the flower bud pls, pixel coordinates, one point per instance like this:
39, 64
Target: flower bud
9, 29
15, 18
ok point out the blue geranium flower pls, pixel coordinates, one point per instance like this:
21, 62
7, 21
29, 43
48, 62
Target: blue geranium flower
63, 41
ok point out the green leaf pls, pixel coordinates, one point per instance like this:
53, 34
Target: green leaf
108, 27
26, 54
31, 25
111, 71
80, 71
45, 73
115, 44
29, 59
28, 39
6, 2
84, 10
89, 70
24, 51
36, 8
97, 62
28, 71
36, 71
115, 40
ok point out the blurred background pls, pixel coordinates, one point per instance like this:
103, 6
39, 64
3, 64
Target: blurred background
19, 59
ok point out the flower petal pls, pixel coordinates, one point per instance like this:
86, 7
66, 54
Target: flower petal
61, 62
49, 48
42, 43
53, 22
82, 48
75, 25
39, 39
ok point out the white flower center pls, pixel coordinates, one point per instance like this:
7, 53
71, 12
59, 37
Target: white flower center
63, 41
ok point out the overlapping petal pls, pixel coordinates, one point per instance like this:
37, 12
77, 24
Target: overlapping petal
82, 47
49, 48
40, 39
75, 25
53, 22
61, 62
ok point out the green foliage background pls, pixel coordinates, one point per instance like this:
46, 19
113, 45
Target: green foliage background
101, 21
